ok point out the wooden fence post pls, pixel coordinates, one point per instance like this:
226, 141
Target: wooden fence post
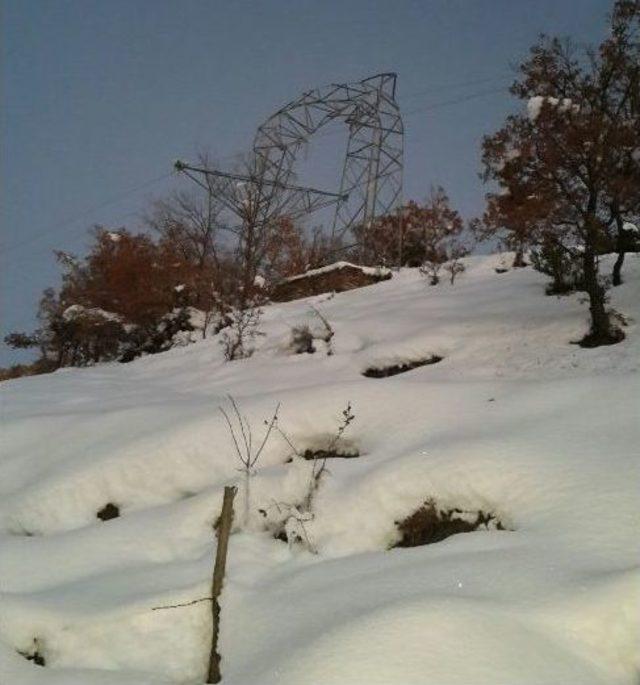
224, 528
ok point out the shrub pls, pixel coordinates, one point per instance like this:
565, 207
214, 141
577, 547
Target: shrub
162, 336
237, 339
563, 267
19, 370
301, 340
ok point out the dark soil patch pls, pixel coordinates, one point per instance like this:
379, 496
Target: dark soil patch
280, 535
394, 369
428, 524
311, 455
591, 340
34, 655
108, 512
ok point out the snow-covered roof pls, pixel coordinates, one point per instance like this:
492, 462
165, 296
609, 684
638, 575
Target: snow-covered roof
336, 266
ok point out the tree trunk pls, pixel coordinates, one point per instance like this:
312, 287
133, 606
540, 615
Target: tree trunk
518, 260
620, 241
400, 238
247, 492
248, 266
600, 333
617, 268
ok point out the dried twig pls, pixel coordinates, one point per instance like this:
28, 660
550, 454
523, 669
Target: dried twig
329, 332
184, 604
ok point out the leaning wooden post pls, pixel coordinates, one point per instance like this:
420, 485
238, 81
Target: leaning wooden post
224, 528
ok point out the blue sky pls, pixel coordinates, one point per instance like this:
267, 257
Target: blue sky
99, 98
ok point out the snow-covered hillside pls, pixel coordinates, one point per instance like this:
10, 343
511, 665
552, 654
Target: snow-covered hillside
514, 420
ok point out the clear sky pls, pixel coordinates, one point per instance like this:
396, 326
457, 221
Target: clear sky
100, 96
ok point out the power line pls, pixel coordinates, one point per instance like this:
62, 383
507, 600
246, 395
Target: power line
433, 106
112, 200
455, 101
454, 86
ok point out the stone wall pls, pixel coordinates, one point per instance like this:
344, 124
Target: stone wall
335, 278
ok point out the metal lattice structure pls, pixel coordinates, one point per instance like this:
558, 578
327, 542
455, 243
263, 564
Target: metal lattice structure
371, 182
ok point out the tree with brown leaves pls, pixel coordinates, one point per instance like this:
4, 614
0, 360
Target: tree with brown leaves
568, 169
415, 234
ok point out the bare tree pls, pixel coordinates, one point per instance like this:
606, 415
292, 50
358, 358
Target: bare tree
191, 220
247, 452
191, 223
455, 266
260, 205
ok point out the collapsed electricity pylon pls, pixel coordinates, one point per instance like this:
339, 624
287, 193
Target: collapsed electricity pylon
371, 183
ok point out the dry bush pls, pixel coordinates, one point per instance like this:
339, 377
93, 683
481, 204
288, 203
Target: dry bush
303, 337
301, 340
430, 524
238, 337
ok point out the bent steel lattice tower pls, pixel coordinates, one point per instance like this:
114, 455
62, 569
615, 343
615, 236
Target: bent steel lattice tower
371, 183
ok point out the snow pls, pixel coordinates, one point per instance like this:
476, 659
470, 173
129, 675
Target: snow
76, 311
628, 226
372, 271
535, 104
515, 420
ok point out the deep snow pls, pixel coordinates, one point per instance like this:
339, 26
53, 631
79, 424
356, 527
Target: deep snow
514, 420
